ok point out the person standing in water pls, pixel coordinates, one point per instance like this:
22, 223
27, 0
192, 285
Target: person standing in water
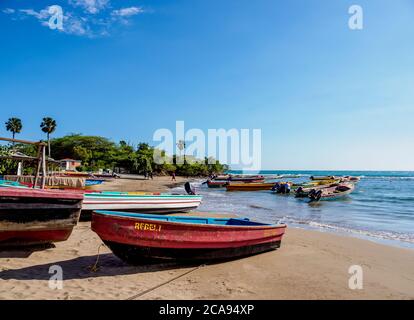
173, 176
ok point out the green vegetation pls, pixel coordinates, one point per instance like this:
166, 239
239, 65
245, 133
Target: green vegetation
100, 153
48, 126
14, 125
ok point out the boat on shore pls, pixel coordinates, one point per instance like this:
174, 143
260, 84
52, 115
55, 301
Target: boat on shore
151, 202
33, 216
331, 193
138, 202
139, 238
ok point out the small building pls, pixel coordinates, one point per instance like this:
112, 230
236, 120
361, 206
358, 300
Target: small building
70, 164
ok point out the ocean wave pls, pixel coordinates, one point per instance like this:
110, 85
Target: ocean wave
384, 235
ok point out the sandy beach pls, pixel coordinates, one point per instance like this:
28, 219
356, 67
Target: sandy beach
309, 265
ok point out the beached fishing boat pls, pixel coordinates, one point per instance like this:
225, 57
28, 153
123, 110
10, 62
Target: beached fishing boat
151, 202
137, 202
11, 184
217, 183
33, 216
249, 186
139, 238
331, 193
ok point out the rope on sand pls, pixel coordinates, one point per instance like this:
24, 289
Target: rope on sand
164, 283
95, 267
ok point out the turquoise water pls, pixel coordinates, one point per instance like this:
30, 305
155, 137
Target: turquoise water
381, 208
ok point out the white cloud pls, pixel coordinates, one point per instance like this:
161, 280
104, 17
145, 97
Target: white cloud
127, 12
9, 11
90, 6
90, 18
42, 14
75, 25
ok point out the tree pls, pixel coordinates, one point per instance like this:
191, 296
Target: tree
14, 125
48, 126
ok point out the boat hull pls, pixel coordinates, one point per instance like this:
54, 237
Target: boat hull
249, 186
141, 255
332, 193
217, 184
137, 240
29, 217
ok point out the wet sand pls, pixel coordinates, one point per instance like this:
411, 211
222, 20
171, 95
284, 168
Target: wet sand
309, 265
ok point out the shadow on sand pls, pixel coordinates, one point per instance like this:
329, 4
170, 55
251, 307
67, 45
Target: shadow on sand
82, 268
18, 252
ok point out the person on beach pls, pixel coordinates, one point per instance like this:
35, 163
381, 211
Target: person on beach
173, 176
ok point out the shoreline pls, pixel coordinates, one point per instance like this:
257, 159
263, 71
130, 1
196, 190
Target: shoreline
309, 265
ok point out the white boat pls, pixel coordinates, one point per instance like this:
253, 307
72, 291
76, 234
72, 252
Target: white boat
140, 202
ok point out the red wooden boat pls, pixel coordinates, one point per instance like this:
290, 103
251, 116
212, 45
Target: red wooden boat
33, 216
140, 238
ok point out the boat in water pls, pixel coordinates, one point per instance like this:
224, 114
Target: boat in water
323, 178
240, 178
143, 238
34, 216
254, 186
303, 191
331, 193
216, 183
337, 178
282, 187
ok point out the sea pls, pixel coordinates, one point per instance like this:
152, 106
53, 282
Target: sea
381, 208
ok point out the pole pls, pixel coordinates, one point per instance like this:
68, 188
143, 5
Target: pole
38, 166
43, 166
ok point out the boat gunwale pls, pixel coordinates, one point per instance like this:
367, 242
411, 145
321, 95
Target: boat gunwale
109, 196
13, 192
112, 214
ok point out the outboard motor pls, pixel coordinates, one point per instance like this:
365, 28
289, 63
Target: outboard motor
315, 195
285, 188
276, 187
189, 189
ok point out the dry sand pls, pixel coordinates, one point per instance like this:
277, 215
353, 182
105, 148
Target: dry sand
309, 265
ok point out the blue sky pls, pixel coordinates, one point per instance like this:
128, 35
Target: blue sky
325, 97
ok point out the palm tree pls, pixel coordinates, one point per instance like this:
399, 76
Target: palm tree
14, 125
48, 126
